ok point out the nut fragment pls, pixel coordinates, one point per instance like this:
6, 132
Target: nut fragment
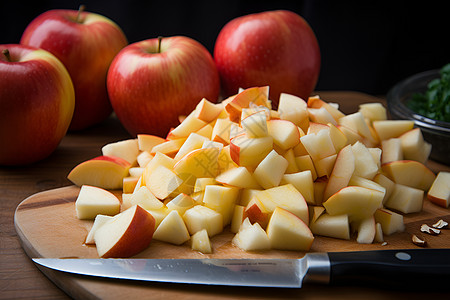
440, 224
430, 230
418, 241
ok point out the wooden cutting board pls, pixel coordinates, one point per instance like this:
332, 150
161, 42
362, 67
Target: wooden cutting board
47, 227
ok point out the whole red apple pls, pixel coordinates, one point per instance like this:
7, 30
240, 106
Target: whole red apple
274, 48
85, 43
152, 82
36, 104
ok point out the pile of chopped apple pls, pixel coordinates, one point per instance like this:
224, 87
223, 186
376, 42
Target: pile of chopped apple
275, 178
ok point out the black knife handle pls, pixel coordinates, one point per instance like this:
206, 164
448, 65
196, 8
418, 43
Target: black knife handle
415, 268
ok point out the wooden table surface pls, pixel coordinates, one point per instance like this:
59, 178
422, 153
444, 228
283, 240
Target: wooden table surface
21, 279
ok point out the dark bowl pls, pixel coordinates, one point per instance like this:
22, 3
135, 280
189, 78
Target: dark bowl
434, 131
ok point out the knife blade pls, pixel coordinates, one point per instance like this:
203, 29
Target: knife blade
395, 267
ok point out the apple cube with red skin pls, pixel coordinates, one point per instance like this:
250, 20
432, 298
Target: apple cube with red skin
391, 222
409, 172
439, 192
127, 234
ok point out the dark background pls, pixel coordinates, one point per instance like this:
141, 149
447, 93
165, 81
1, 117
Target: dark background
366, 46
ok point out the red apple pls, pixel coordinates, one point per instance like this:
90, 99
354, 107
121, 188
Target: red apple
274, 48
152, 82
85, 43
36, 104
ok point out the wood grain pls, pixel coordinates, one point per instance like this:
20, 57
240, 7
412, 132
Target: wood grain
20, 278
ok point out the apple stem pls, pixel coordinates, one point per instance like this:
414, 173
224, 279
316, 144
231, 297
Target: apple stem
80, 11
159, 43
7, 55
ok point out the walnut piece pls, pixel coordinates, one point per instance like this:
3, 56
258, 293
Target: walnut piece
430, 230
440, 224
418, 241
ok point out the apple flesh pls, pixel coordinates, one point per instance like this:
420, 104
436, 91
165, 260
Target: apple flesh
439, 192
85, 43
92, 201
125, 235
36, 104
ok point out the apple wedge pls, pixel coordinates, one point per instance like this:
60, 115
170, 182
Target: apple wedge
355, 201
439, 192
343, 170
285, 134
92, 201
405, 199
387, 129
127, 234
255, 125
207, 111
249, 152
199, 163
303, 182
126, 149
172, 229
98, 222
146, 142
251, 237
162, 181
294, 109
366, 229
286, 231
255, 212
239, 177
331, 226
409, 172
391, 222
200, 242
270, 170
105, 172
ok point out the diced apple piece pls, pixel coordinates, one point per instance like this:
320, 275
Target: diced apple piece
201, 217
325, 165
385, 182
387, 129
294, 109
190, 124
315, 212
255, 95
105, 172
159, 215
356, 122
286, 231
200, 242
287, 197
414, 146
405, 199
146, 142
136, 171
373, 111
221, 131
270, 170
221, 199
202, 183
351, 135
365, 165
343, 170
439, 192
255, 212
292, 163
246, 195
92, 201
303, 182
238, 216
321, 115
206, 131
251, 237
409, 172
366, 231
98, 221
332, 226
158, 159
193, 141
316, 127
162, 182
332, 108
305, 163
319, 189
392, 150
207, 111
225, 161
238, 177
199, 163
248, 152
170, 147
126, 149
318, 145
358, 202
255, 125
367, 183
181, 203
144, 198
285, 134
172, 229
129, 184
338, 138
144, 158
379, 238
390, 221
125, 235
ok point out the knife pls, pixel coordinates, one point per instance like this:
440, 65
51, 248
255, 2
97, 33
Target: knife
392, 267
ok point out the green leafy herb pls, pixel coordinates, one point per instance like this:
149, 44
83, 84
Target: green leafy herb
435, 102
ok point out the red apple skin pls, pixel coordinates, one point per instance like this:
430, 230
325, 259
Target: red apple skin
36, 104
274, 48
150, 90
86, 48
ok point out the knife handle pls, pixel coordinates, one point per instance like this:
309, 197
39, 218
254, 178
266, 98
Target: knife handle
416, 268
